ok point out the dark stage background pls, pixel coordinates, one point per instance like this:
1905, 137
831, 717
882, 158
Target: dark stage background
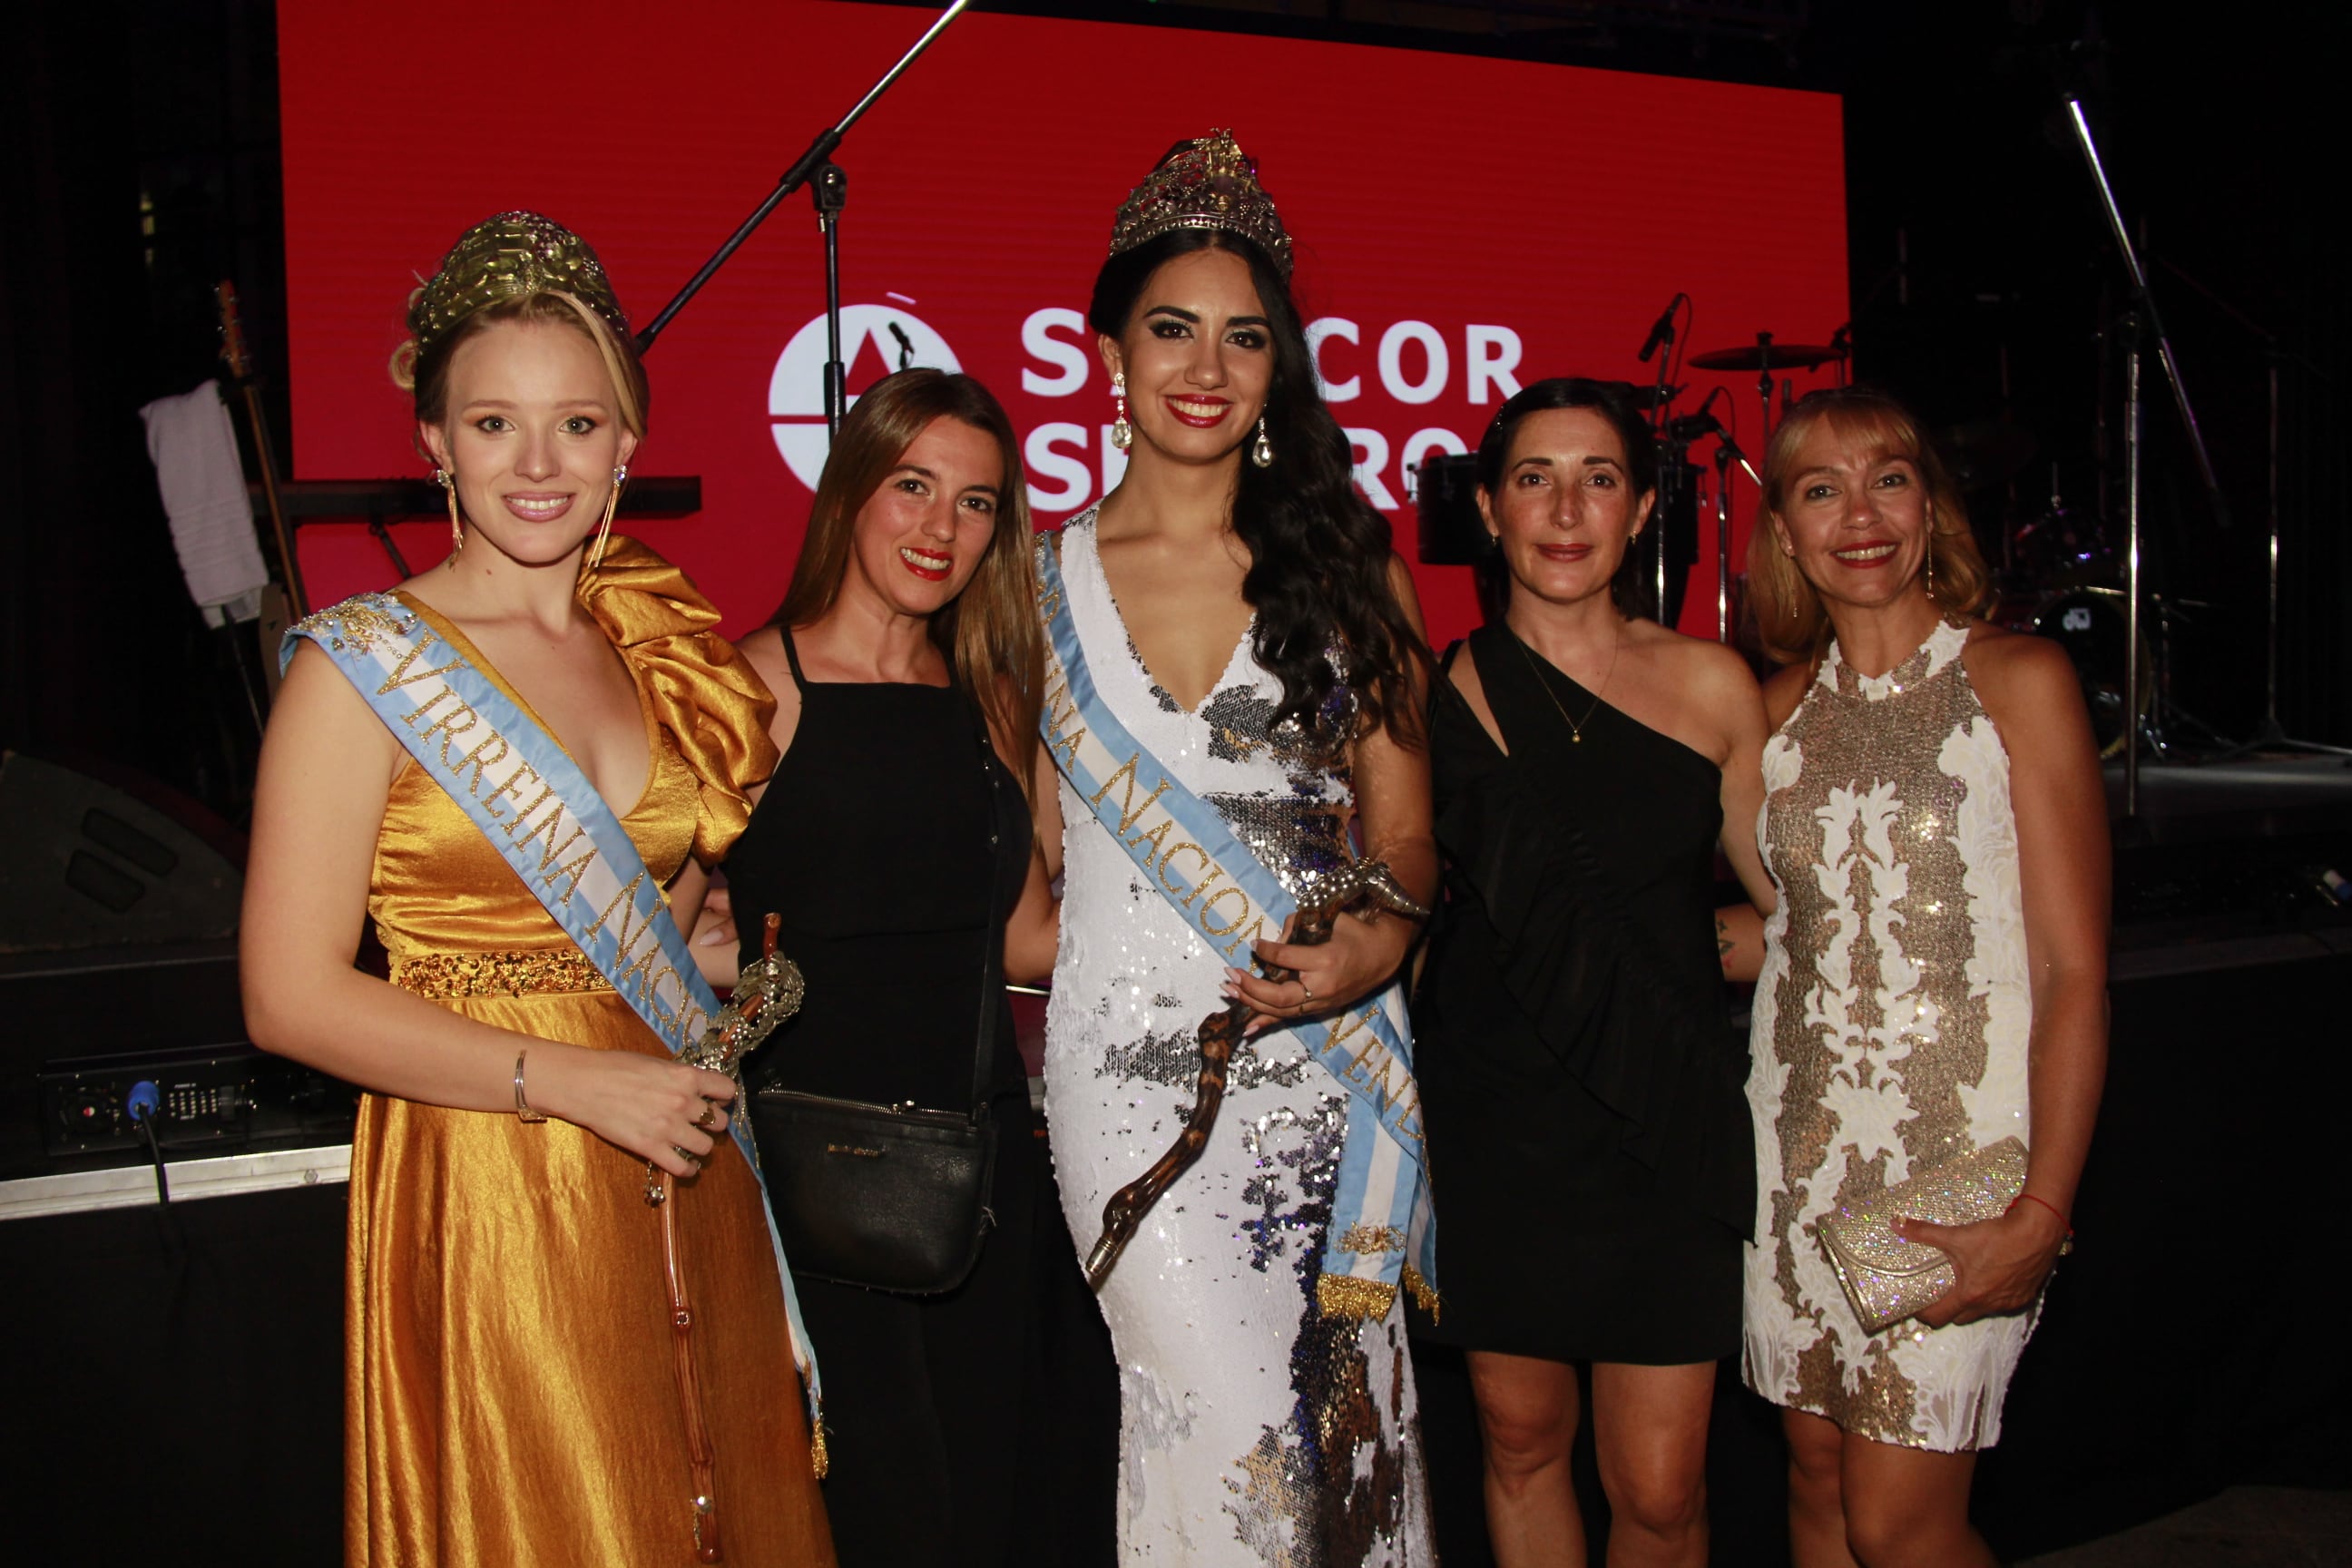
145, 166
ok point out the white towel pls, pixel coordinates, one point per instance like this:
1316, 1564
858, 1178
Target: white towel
203, 480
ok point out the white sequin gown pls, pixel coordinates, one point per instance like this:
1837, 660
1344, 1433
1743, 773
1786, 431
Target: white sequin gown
1890, 1028
1253, 1429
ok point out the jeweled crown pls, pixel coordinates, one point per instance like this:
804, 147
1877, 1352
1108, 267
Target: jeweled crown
1207, 182
502, 258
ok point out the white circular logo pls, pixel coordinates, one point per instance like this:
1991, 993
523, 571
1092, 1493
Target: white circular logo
796, 389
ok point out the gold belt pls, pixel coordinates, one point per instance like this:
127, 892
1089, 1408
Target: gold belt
444, 976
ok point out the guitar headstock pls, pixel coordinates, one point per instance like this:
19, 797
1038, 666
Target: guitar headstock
234, 353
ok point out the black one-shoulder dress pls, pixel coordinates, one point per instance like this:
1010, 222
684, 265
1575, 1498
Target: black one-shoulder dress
981, 1425
1590, 1144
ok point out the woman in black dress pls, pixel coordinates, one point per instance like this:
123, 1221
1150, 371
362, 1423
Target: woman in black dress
1588, 1134
978, 1426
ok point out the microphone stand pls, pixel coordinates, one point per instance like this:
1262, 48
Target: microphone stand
1727, 453
1724, 452
832, 191
2134, 418
2140, 317
1669, 467
831, 195
1673, 455
2272, 735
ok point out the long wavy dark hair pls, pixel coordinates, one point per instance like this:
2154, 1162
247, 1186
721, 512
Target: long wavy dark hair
1320, 552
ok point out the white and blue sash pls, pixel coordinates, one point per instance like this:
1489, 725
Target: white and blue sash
1382, 1233
539, 812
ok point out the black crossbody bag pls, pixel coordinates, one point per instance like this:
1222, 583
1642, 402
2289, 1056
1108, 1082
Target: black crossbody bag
891, 1197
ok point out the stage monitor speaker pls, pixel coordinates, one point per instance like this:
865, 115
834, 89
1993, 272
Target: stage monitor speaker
86, 863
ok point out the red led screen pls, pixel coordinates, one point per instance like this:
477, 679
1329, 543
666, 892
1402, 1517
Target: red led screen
1463, 226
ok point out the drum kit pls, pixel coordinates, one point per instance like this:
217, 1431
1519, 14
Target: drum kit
2060, 569
1657, 570
2073, 576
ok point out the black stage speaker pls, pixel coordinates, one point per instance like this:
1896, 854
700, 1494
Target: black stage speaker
1445, 498
174, 1383
87, 863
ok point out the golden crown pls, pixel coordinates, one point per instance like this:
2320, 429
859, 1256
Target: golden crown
502, 258
1208, 183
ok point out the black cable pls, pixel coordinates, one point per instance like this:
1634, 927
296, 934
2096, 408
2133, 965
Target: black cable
156, 1148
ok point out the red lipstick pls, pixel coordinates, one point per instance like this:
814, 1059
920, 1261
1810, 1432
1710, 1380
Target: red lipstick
919, 563
1198, 421
1884, 554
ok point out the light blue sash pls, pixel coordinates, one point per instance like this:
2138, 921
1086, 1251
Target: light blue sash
1381, 1231
539, 811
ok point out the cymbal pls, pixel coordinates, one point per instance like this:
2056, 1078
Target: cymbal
1766, 356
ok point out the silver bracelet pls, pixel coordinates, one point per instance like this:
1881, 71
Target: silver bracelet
523, 1113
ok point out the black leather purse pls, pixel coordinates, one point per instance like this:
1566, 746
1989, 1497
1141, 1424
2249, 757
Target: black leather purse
891, 1197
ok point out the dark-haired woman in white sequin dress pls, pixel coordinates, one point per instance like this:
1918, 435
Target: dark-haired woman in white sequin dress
1243, 619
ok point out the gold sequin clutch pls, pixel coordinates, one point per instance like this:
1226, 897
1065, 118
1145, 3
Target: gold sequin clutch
1887, 1279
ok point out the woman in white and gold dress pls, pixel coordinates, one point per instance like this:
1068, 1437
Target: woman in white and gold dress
1934, 977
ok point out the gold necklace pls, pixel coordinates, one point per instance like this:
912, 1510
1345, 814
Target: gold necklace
1575, 728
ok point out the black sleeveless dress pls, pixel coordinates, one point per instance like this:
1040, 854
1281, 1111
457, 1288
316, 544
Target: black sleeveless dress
1589, 1137
979, 1425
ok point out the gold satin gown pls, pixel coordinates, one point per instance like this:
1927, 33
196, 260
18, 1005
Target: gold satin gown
512, 1397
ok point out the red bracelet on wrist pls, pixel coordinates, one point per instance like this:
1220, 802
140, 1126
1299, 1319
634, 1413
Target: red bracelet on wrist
2029, 1198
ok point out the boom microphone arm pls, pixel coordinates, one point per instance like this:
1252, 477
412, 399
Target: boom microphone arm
804, 168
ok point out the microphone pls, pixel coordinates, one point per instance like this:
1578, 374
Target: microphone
1691, 427
906, 345
1663, 329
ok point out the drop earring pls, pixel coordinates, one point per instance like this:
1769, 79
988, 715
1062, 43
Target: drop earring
1931, 562
1262, 453
1122, 433
612, 504
449, 483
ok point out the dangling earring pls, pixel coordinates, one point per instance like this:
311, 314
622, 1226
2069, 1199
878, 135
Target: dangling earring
1121, 432
449, 483
1931, 560
1262, 454
612, 504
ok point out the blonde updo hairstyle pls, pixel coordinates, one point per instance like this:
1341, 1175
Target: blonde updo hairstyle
424, 375
1791, 619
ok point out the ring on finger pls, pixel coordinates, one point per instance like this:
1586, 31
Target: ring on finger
687, 1156
1308, 989
710, 1117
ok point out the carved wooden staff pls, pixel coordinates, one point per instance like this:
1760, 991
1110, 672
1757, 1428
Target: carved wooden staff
766, 993
1364, 881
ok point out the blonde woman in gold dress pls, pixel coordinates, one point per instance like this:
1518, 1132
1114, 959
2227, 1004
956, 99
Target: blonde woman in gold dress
1934, 978
514, 1393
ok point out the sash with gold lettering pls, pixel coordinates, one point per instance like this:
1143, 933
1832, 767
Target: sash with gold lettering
1383, 1234
538, 810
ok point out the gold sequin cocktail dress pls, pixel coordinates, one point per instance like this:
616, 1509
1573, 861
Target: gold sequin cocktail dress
512, 1398
1890, 1028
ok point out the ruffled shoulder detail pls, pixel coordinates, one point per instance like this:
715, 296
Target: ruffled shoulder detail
1632, 1034
713, 705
